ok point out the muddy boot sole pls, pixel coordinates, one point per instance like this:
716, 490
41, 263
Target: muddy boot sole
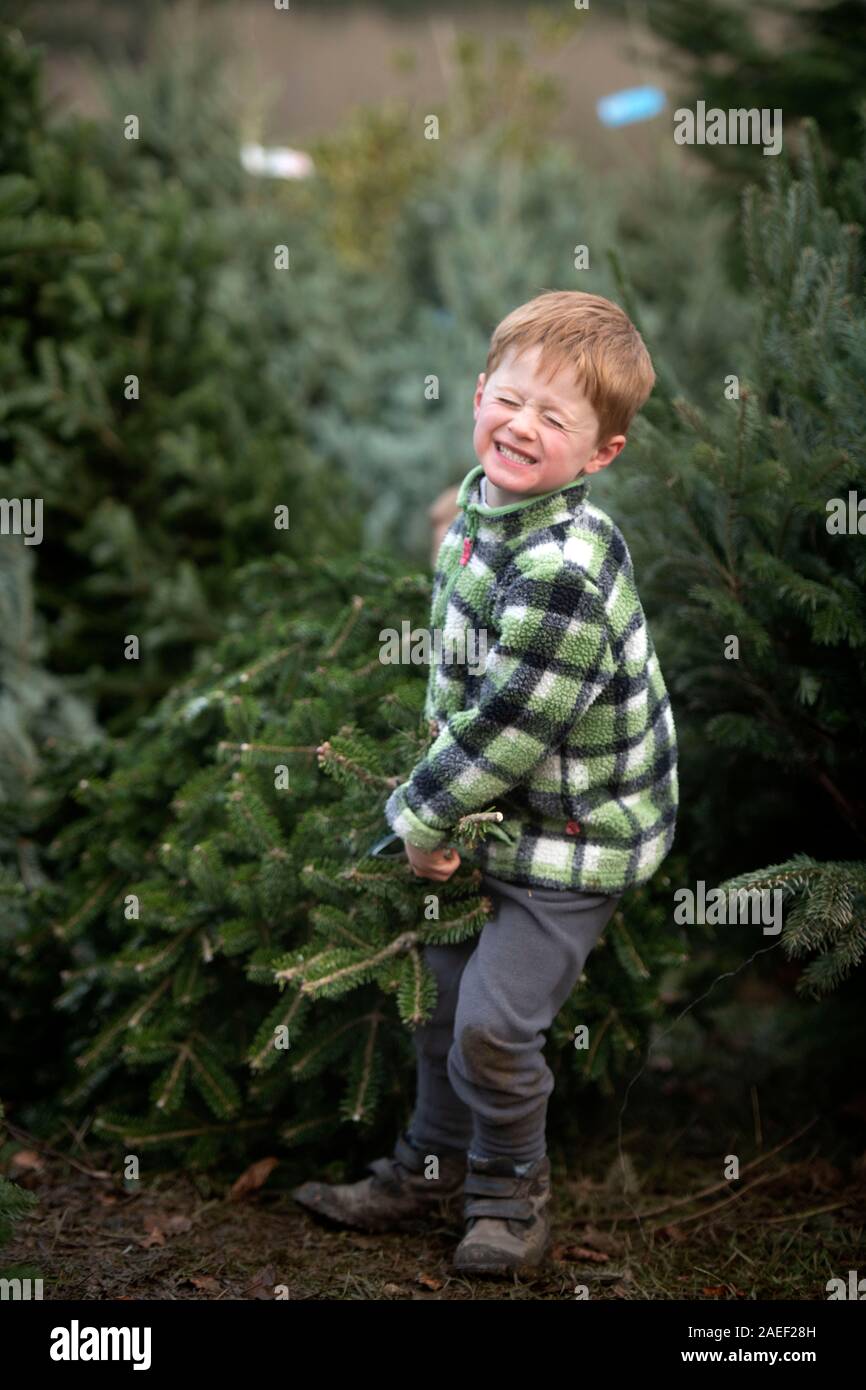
321, 1201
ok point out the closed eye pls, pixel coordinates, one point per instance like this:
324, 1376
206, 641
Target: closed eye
516, 406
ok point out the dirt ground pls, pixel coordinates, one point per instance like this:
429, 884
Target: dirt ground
644, 1206
795, 1219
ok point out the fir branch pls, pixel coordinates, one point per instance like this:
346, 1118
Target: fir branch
62, 930
328, 757
258, 1059
223, 745
141, 1139
398, 946
326, 1041
367, 1061
357, 605
174, 1076
130, 1018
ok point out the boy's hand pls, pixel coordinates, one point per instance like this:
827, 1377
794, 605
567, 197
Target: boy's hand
439, 865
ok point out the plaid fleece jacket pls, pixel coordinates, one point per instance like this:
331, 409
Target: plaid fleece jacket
567, 729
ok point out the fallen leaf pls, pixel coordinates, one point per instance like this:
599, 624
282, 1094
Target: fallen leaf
252, 1178
28, 1160
155, 1236
429, 1282
157, 1229
601, 1240
205, 1282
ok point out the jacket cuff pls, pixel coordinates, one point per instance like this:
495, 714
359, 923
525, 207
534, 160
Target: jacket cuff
406, 824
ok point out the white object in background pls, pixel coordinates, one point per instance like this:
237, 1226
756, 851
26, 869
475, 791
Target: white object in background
276, 161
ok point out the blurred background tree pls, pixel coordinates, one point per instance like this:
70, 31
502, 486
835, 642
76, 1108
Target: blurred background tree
144, 403
805, 59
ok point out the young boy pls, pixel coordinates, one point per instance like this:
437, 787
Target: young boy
567, 730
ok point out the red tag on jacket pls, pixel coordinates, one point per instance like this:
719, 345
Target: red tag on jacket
572, 828
467, 551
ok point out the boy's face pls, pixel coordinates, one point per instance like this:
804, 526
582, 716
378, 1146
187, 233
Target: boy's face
549, 423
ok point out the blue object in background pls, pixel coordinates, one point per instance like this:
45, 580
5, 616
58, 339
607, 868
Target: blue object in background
631, 104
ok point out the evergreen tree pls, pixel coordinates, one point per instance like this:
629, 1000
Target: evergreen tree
146, 358
226, 847
760, 589
828, 915
119, 257
808, 63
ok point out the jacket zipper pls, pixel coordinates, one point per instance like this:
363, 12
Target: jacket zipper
468, 544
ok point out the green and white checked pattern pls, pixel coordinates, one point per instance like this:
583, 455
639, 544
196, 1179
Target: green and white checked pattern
568, 730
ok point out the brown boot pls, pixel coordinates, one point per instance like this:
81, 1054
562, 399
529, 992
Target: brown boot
506, 1209
397, 1194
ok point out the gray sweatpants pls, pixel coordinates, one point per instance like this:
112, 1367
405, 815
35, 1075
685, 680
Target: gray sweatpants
482, 1082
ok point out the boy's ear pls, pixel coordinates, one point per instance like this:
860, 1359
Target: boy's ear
606, 453
479, 388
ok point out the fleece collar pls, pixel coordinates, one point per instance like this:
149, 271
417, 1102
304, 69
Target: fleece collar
519, 518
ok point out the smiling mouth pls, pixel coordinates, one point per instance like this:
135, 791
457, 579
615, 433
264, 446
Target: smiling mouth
514, 455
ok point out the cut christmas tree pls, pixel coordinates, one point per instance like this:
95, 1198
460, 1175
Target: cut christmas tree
243, 969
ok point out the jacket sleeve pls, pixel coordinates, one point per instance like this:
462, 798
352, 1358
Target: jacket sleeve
551, 660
